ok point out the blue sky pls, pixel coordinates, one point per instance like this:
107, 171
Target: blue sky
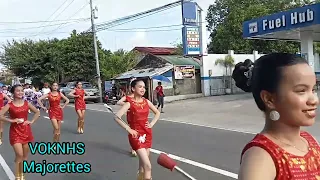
113, 39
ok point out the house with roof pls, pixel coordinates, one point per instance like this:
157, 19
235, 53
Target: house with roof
182, 74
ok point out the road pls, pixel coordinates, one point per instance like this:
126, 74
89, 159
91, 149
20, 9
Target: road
207, 135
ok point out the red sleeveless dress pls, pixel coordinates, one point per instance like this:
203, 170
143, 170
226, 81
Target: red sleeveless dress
80, 104
139, 118
289, 166
1, 100
55, 111
19, 133
129, 114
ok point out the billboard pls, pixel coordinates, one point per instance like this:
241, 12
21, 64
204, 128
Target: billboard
191, 40
189, 13
184, 72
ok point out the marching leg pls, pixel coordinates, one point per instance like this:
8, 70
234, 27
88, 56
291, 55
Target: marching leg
81, 126
58, 137
17, 169
21, 171
140, 175
1, 137
78, 129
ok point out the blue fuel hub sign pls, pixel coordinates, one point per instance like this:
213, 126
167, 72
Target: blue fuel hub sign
283, 21
191, 31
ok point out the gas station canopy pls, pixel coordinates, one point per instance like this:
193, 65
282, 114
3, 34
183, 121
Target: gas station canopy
287, 25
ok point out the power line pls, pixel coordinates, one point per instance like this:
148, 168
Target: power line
35, 22
137, 16
53, 14
79, 10
64, 9
156, 30
37, 27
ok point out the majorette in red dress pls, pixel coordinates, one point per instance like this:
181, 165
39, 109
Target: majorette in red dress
289, 166
80, 104
19, 133
1, 100
129, 116
55, 111
139, 117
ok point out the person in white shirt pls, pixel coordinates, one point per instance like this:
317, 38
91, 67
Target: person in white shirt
28, 94
46, 90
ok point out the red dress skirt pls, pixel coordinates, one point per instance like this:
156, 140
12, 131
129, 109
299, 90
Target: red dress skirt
139, 113
80, 104
19, 133
55, 111
290, 166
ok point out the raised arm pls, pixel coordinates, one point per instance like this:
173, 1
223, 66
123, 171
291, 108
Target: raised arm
156, 113
40, 100
66, 100
257, 164
122, 101
3, 111
119, 114
35, 111
72, 93
7, 97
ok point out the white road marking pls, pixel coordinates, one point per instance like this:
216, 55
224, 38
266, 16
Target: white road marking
6, 168
46, 117
197, 164
181, 159
207, 126
193, 124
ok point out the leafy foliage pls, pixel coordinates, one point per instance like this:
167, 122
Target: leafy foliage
225, 18
64, 60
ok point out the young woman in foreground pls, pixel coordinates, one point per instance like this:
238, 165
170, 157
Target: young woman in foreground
55, 109
121, 102
3, 97
80, 105
140, 130
20, 133
283, 88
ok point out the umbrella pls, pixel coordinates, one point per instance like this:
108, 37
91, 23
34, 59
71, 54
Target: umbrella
161, 78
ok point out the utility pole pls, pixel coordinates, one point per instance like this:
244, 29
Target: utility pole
96, 48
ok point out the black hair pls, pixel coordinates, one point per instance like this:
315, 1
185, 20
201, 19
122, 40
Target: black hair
263, 74
159, 83
14, 87
134, 82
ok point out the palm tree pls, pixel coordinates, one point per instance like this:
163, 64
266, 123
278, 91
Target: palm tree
227, 63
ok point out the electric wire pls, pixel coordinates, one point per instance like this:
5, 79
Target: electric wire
53, 14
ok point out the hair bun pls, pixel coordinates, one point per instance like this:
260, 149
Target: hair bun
242, 75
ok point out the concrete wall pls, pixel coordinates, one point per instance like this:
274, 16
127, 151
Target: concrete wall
213, 85
180, 86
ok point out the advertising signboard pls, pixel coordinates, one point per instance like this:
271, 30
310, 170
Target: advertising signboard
191, 40
189, 13
184, 72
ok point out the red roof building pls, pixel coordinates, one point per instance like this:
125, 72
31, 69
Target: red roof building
156, 50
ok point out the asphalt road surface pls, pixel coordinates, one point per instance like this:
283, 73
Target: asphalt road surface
206, 135
107, 149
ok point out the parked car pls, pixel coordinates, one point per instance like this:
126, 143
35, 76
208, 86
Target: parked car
89, 88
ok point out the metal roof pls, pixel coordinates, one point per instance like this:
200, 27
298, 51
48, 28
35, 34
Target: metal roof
180, 60
156, 50
149, 72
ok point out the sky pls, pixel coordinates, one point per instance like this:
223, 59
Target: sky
24, 19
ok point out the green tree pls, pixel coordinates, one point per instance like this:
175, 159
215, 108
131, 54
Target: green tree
225, 18
64, 60
118, 62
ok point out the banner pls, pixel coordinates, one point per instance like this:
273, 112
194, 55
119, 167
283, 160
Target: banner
184, 72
